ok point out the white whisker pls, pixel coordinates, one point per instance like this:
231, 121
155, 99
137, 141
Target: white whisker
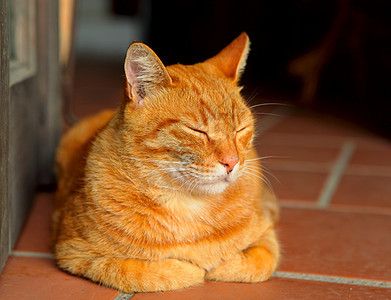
262, 178
253, 95
154, 160
267, 171
262, 158
265, 104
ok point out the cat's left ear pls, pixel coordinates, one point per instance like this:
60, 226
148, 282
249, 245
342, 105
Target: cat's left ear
145, 73
232, 59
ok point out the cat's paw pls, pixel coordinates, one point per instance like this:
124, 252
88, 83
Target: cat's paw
165, 275
181, 274
254, 265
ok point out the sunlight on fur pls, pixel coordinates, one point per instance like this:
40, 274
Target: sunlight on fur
167, 191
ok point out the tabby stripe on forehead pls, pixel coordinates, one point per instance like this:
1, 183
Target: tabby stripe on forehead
239, 118
195, 88
159, 127
203, 116
194, 117
234, 115
165, 123
207, 108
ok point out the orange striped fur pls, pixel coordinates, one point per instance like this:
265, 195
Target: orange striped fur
163, 193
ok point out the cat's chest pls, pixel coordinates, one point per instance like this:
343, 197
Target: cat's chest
208, 242
190, 219
184, 222
202, 234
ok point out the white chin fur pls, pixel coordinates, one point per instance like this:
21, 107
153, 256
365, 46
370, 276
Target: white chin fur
212, 189
218, 186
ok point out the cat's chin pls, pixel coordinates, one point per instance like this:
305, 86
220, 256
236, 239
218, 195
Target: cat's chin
212, 188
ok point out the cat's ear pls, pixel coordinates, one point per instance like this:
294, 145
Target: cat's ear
232, 59
144, 72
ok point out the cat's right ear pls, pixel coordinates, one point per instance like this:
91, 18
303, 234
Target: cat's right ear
232, 59
144, 72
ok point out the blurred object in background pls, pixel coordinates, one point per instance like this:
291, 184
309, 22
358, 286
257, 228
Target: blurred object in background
104, 30
67, 15
107, 27
126, 7
350, 70
310, 65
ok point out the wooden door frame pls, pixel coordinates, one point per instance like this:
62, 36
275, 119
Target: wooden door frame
4, 133
30, 116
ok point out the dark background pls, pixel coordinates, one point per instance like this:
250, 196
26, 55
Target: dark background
354, 82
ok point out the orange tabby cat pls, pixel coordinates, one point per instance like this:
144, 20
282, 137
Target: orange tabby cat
159, 195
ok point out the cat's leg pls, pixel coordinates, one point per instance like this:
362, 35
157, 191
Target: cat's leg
135, 275
254, 264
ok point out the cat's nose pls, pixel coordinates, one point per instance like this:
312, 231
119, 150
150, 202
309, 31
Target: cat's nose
229, 162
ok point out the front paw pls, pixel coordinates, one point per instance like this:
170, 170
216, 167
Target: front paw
166, 275
252, 265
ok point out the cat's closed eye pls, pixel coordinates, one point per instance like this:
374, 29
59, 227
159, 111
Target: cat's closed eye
198, 131
242, 129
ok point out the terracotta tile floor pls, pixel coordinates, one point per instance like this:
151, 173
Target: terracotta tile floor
334, 185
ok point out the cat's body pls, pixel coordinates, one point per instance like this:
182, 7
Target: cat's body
157, 195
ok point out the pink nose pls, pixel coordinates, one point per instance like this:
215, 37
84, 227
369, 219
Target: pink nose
229, 162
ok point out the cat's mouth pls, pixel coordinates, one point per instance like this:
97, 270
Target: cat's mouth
208, 183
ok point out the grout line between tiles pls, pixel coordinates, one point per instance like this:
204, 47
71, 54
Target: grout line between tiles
369, 170
335, 175
123, 296
361, 209
279, 164
385, 211
298, 204
32, 254
333, 279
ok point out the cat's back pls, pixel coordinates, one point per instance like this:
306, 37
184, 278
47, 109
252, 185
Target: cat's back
75, 139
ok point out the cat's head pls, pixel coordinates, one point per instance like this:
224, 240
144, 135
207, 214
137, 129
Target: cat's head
189, 122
